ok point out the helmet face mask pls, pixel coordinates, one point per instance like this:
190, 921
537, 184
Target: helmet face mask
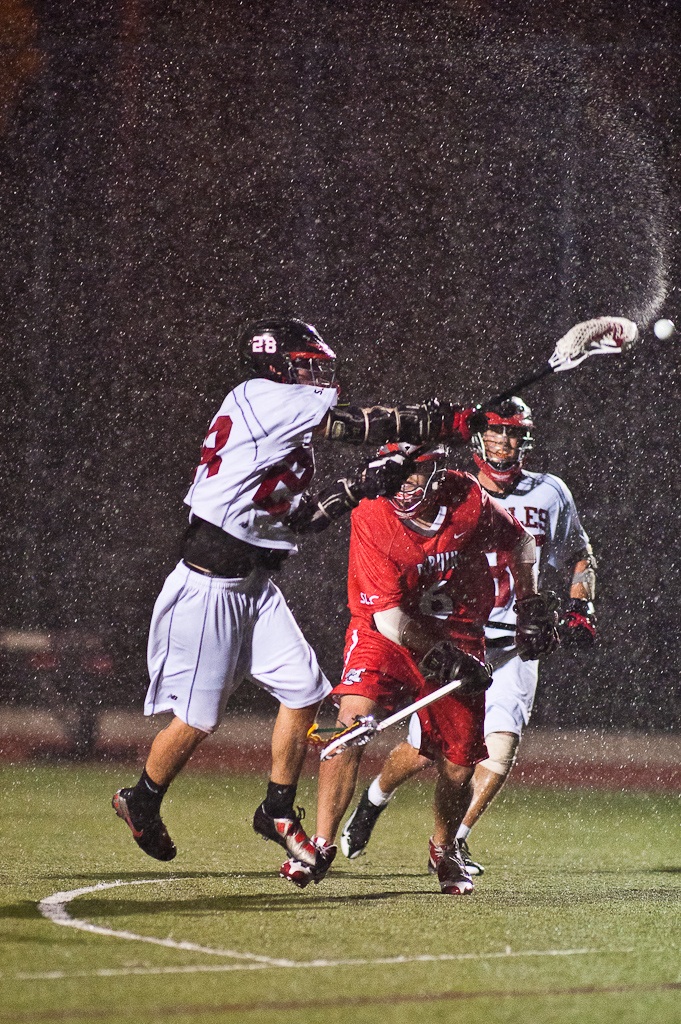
500, 450
288, 351
419, 492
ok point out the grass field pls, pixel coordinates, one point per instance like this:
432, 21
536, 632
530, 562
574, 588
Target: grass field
576, 919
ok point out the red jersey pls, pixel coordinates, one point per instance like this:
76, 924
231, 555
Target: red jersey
445, 573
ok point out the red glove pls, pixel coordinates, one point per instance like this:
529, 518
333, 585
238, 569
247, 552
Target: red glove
466, 422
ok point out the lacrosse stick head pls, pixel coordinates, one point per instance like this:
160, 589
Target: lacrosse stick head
358, 734
604, 335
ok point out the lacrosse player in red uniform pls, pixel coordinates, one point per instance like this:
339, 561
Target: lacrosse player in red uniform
545, 507
219, 617
420, 592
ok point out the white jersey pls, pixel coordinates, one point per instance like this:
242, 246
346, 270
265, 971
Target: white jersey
257, 459
544, 505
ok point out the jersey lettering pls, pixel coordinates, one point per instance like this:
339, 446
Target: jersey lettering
216, 439
440, 562
367, 598
353, 675
283, 480
536, 518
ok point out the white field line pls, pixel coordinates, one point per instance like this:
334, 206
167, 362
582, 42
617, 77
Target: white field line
54, 909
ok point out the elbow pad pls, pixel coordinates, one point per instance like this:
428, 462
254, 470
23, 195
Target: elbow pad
392, 623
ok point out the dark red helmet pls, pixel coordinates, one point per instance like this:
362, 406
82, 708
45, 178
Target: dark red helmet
412, 499
510, 417
287, 350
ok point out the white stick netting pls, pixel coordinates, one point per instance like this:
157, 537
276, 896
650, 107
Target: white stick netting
599, 337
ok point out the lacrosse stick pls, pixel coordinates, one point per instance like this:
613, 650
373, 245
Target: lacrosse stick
605, 335
365, 727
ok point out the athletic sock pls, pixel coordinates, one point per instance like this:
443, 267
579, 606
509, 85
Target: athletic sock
146, 796
463, 832
376, 795
279, 800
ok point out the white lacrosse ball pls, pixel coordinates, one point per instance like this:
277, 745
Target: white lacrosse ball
663, 329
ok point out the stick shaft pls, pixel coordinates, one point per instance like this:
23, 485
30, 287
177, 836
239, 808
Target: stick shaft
423, 702
523, 382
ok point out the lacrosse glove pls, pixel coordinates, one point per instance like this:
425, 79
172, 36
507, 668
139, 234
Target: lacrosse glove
536, 631
467, 422
577, 627
381, 476
444, 662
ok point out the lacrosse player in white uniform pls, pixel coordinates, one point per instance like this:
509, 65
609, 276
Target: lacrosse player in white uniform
544, 505
219, 618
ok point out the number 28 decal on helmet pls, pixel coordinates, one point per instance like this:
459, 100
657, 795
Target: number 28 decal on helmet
288, 351
500, 450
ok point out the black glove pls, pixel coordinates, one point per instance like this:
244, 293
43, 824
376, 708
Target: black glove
577, 627
381, 477
445, 662
536, 630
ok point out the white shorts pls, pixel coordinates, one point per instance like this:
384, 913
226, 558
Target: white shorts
208, 634
508, 701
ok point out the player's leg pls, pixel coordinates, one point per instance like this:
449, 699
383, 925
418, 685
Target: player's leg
289, 742
192, 667
171, 749
403, 762
491, 774
452, 734
282, 662
508, 707
338, 775
140, 806
453, 791
335, 789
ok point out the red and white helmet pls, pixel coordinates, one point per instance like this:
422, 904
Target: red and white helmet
412, 499
513, 417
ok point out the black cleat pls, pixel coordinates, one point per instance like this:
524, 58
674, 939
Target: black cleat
288, 832
151, 835
359, 826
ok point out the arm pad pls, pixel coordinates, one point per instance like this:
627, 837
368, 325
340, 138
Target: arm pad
416, 424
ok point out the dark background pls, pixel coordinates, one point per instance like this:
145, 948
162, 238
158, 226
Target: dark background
443, 189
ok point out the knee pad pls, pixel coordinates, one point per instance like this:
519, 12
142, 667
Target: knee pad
502, 748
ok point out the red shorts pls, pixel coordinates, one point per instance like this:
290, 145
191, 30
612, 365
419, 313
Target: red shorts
376, 668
